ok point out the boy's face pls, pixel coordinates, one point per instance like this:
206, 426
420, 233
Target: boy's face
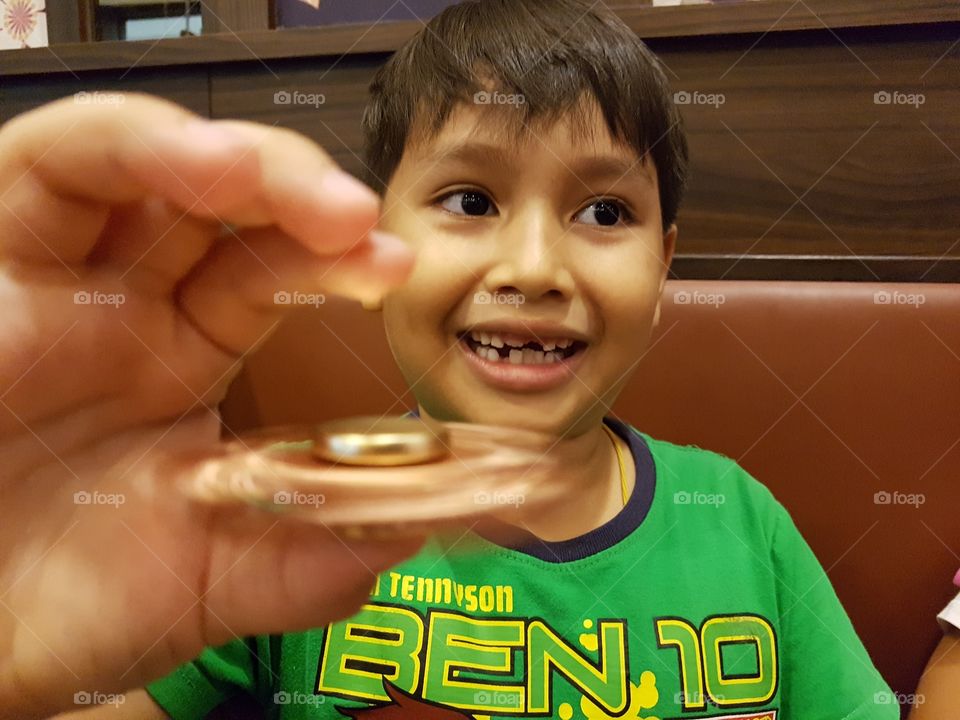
552, 230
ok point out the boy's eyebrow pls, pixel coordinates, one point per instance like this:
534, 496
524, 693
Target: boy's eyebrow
615, 167
591, 167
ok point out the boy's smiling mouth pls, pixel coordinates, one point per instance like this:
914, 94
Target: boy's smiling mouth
522, 358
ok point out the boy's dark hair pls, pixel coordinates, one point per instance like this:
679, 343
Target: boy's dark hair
549, 51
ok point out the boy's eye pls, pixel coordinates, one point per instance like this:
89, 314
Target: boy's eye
467, 202
603, 212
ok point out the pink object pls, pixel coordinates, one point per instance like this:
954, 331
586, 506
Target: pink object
956, 579
23, 23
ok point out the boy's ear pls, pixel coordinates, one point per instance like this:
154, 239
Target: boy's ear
669, 245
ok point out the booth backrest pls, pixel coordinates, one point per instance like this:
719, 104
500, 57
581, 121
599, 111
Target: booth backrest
843, 398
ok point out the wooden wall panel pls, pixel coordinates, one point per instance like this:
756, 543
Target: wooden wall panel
234, 16
70, 21
799, 114
248, 92
187, 86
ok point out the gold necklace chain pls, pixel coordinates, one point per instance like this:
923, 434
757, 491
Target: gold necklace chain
623, 472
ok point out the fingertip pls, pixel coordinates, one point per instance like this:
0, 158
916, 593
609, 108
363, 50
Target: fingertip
394, 254
345, 188
389, 262
390, 243
332, 214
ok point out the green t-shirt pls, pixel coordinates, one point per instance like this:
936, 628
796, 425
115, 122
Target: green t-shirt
700, 599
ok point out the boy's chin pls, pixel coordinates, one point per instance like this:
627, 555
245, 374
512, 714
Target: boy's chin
501, 412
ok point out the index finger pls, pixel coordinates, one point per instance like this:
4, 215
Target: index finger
63, 165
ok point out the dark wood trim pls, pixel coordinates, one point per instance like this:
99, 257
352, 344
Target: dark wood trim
779, 15
875, 268
261, 45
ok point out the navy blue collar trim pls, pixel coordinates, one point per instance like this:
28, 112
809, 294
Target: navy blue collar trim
615, 529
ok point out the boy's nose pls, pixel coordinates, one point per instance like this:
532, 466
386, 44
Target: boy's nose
532, 259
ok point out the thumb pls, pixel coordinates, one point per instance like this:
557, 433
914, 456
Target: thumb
289, 576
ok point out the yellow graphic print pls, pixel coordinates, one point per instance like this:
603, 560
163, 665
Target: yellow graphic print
401, 662
564, 712
589, 640
643, 696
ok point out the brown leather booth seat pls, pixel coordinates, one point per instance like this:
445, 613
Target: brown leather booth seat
843, 398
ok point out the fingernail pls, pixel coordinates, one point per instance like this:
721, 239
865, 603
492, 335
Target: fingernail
388, 242
345, 187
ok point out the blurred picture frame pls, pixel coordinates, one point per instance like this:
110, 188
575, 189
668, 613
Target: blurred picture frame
23, 24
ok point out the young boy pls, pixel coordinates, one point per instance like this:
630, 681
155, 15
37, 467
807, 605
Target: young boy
530, 153
531, 149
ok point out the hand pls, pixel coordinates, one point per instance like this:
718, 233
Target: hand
140, 250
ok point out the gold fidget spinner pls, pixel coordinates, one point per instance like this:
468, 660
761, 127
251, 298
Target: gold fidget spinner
383, 475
